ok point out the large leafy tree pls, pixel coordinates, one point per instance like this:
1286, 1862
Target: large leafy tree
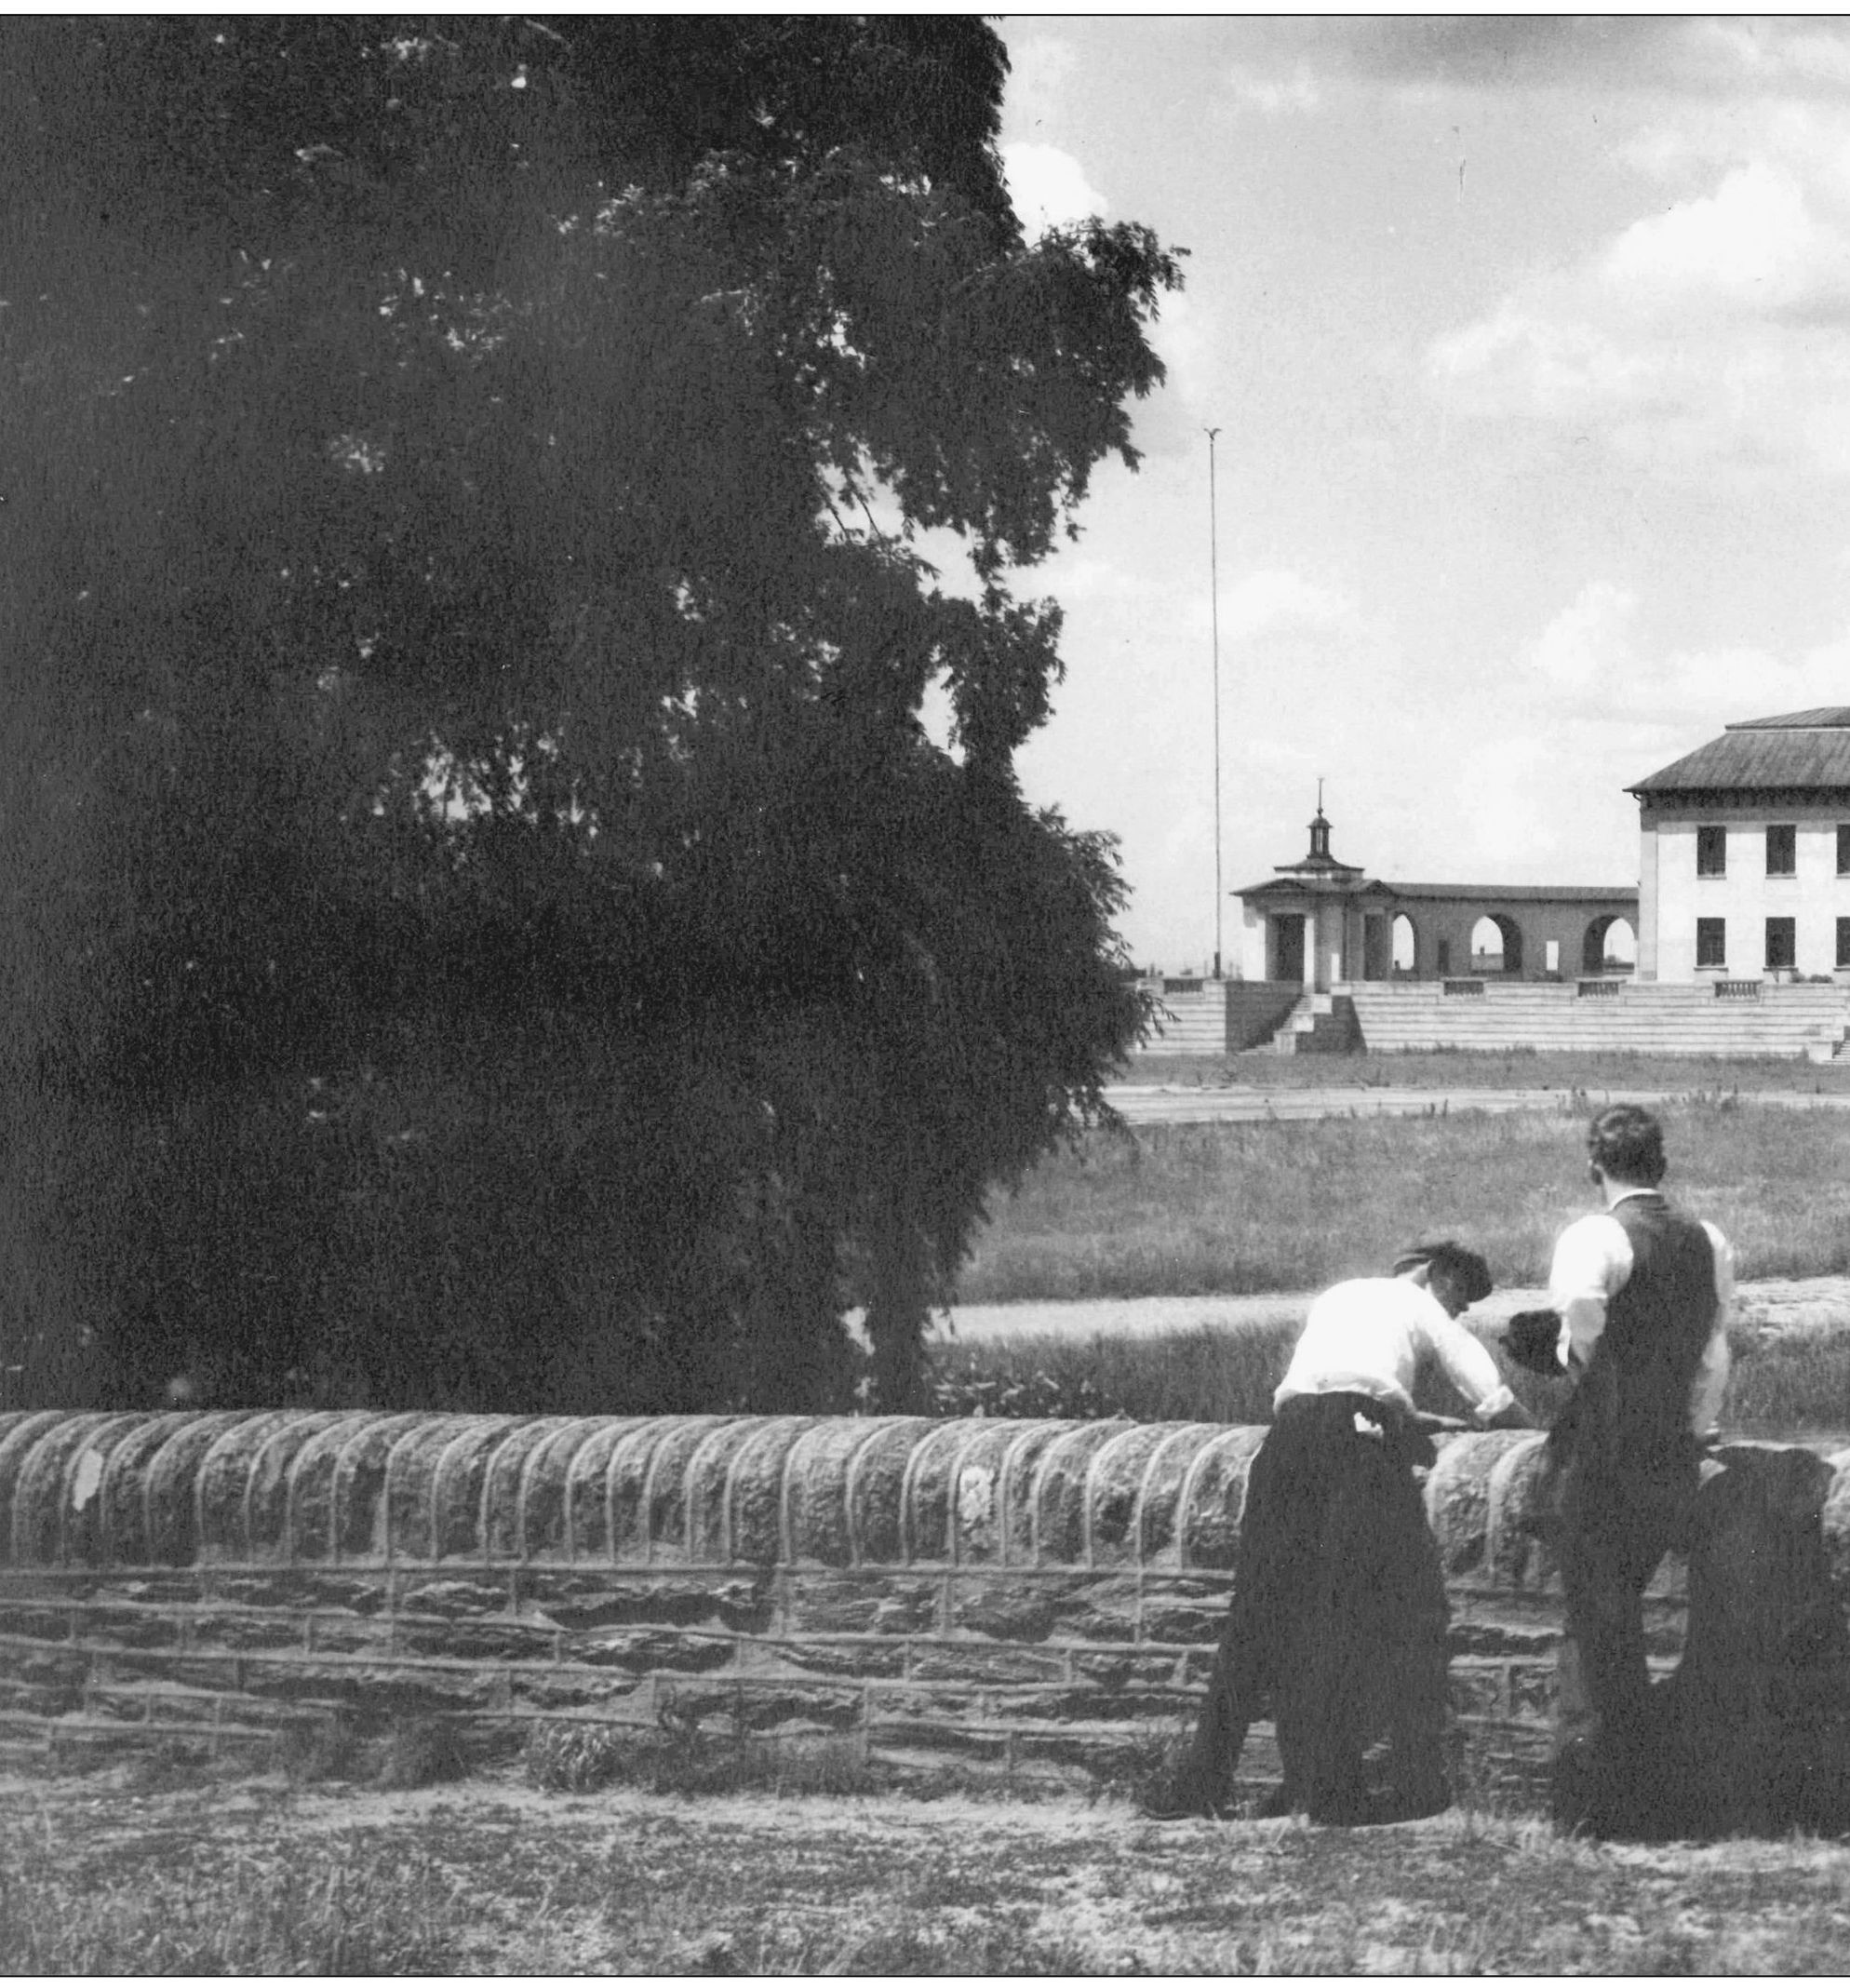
485, 921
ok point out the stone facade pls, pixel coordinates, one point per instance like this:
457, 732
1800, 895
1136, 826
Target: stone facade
1732, 901
1026, 1598
1321, 925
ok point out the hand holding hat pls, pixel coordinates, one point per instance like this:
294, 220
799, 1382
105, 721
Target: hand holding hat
1531, 1339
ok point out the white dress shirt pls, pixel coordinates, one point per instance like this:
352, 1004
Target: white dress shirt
1365, 1337
1593, 1261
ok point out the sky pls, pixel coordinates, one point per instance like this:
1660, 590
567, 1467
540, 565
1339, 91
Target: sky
1528, 344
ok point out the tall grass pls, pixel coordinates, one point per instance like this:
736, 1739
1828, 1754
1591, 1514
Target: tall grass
1794, 1385
1182, 1377
1182, 1210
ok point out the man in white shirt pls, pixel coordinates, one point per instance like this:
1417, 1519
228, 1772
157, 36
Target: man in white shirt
1338, 1618
1644, 1294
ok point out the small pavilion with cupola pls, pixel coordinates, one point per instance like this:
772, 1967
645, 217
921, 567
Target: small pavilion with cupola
1322, 923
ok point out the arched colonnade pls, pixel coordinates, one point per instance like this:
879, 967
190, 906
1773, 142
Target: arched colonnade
1437, 931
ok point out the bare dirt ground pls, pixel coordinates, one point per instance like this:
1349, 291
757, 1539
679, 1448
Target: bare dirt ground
493, 1876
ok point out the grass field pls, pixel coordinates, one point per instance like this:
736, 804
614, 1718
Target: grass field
1495, 1069
1795, 1385
1189, 1210
493, 1878
1179, 1209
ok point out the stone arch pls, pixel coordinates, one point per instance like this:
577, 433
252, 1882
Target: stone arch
1404, 945
1510, 939
1600, 935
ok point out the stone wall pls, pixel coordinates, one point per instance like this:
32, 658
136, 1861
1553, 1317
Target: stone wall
1029, 1598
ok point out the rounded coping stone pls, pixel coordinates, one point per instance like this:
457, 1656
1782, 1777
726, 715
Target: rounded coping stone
222, 1485
1836, 1518
542, 1524
83, 1497
18, 1441
1514, 1555
312, 1485
127, 1523
362, 1486
1212, 1498
40, 1488
1459, 1494
591, 1504
269, 1502
755, 1504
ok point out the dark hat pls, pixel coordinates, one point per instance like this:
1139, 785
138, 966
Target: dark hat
1443, 1254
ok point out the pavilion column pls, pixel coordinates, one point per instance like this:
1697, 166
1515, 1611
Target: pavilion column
1645, 936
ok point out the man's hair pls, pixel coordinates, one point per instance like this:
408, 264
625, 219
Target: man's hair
1443, 1257
1626, 1143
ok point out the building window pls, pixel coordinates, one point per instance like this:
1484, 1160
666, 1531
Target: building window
1844, 849
1782, 943
1711, 851
1843, 942
1782, 850
1711, 941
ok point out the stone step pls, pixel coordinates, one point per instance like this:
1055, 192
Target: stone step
1781, 1021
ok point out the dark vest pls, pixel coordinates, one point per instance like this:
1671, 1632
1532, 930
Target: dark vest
1631, 1409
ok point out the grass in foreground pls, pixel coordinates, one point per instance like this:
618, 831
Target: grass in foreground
1181, 1210
495, 1878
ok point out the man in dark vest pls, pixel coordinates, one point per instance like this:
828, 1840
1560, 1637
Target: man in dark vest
1643, 1294
1337, 1625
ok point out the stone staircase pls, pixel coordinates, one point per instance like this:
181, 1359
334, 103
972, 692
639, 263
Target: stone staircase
1191, 1021
1321, 1025
1208, 1017
1727, 1018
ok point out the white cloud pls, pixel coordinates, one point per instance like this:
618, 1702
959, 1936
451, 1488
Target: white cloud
1590, 641
1185, 339
1720, 686
1768, 54
1751, 242
1276, 96
1714, 330
1276, 599
1047, 187
1593, 666
1041, 66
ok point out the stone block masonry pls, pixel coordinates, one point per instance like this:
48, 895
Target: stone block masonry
1035, 1599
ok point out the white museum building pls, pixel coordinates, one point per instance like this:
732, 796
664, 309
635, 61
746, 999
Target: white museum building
1744, 853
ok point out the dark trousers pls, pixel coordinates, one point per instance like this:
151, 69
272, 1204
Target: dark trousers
1338, 1619
1610, 1528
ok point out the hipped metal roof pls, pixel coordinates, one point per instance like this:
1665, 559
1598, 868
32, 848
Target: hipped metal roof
1800, 750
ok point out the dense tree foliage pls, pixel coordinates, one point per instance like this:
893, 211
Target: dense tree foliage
484, 921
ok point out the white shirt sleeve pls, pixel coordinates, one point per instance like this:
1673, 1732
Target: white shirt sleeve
1466, 1360
1591, 1261
1711, 1376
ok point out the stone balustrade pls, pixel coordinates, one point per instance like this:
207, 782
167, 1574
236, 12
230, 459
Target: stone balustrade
1035, 1598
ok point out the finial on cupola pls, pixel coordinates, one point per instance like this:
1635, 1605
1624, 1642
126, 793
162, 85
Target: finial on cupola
1320, 829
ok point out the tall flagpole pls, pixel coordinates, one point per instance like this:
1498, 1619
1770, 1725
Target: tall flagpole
1214, 612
